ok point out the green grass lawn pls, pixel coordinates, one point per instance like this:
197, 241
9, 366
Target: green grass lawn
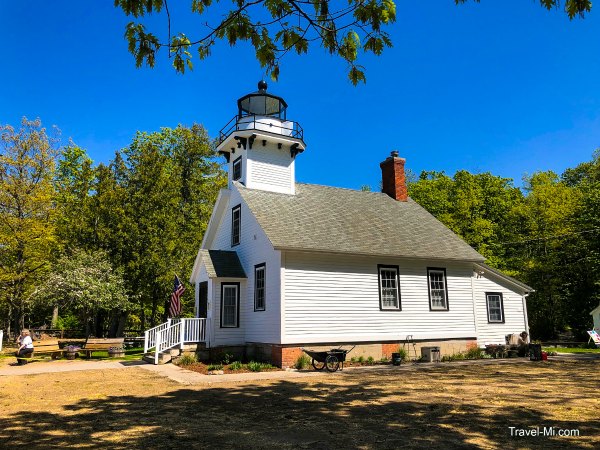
571, 350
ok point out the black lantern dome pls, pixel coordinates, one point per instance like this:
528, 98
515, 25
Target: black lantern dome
260, 103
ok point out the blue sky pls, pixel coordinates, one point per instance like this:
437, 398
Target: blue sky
506, 87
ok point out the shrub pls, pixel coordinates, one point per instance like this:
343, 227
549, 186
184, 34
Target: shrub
225, 358
361, 359
454, 357
254, 366
215, 367
384, 359
187, 360
473, 352
354, 359
303, 362
236, 365
370, 360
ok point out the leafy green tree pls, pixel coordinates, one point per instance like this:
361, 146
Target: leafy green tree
74, 183
277, 27
582, 267
475, 206
27, 232
172, 180
548, 218
85, 283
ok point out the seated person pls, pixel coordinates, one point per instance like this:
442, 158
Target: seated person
25, 346
523, 343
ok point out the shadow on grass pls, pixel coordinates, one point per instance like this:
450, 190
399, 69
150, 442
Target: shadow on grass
360, 411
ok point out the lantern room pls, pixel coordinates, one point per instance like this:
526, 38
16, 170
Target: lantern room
260, 144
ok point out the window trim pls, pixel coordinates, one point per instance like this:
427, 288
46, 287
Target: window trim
257, 267
237, 160
487, 306
239, 236
397, 269
237, 305
443, 270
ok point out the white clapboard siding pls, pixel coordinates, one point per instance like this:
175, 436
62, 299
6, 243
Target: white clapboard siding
270, 168
332, 298
514, 317
254, 248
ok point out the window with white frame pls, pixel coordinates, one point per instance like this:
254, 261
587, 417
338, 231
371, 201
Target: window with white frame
495, 307
237, 168
389, 287
236, 224
259, 287
438, 289
230, 304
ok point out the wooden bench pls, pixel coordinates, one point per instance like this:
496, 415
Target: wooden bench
45, 347
101, 345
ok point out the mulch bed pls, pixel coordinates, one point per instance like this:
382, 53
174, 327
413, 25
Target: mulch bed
203, 369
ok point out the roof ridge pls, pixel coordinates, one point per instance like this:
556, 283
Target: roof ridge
358, 191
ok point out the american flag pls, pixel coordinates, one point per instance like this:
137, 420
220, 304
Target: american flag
175, 305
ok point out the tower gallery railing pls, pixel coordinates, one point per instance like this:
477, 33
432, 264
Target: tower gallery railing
261, 123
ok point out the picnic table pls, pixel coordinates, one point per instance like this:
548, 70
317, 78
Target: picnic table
101, 345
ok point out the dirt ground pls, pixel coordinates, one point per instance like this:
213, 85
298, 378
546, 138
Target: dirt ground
441, 407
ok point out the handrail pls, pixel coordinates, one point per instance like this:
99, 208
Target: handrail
253, 122
174, 333
150, 335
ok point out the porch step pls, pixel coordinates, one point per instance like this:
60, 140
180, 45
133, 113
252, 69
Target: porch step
163, 358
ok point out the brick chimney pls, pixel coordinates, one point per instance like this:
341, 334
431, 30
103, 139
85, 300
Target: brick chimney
393, 178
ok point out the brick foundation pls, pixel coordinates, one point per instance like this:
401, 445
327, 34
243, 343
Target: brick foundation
447, 346
286, 355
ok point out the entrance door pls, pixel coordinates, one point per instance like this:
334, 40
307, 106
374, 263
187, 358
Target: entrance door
203, 300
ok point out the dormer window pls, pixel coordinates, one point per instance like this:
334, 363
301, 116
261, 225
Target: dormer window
236, 224
237, 168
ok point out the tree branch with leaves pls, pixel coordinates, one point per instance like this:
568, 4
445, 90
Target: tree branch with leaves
278, 27
273, 27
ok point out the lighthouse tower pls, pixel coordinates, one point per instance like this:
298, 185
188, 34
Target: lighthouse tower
261, 144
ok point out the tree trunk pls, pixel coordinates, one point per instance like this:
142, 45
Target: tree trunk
98, 322
54, 317
9, 322
154, 306
121, 326
143, 314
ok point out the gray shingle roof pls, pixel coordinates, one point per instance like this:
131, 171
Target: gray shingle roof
327, 219
222, 264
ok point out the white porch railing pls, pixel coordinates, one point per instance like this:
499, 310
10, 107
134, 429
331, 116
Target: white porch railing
173, 333
150, 336
1, 339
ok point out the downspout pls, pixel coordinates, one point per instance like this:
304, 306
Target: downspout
474, 307
524, 296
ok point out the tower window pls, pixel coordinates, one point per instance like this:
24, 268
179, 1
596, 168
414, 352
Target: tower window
237, 168
259, 287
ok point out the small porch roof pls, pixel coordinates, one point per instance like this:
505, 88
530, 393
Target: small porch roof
222, 264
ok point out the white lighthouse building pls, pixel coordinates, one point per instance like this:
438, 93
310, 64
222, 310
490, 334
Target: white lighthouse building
285, 265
